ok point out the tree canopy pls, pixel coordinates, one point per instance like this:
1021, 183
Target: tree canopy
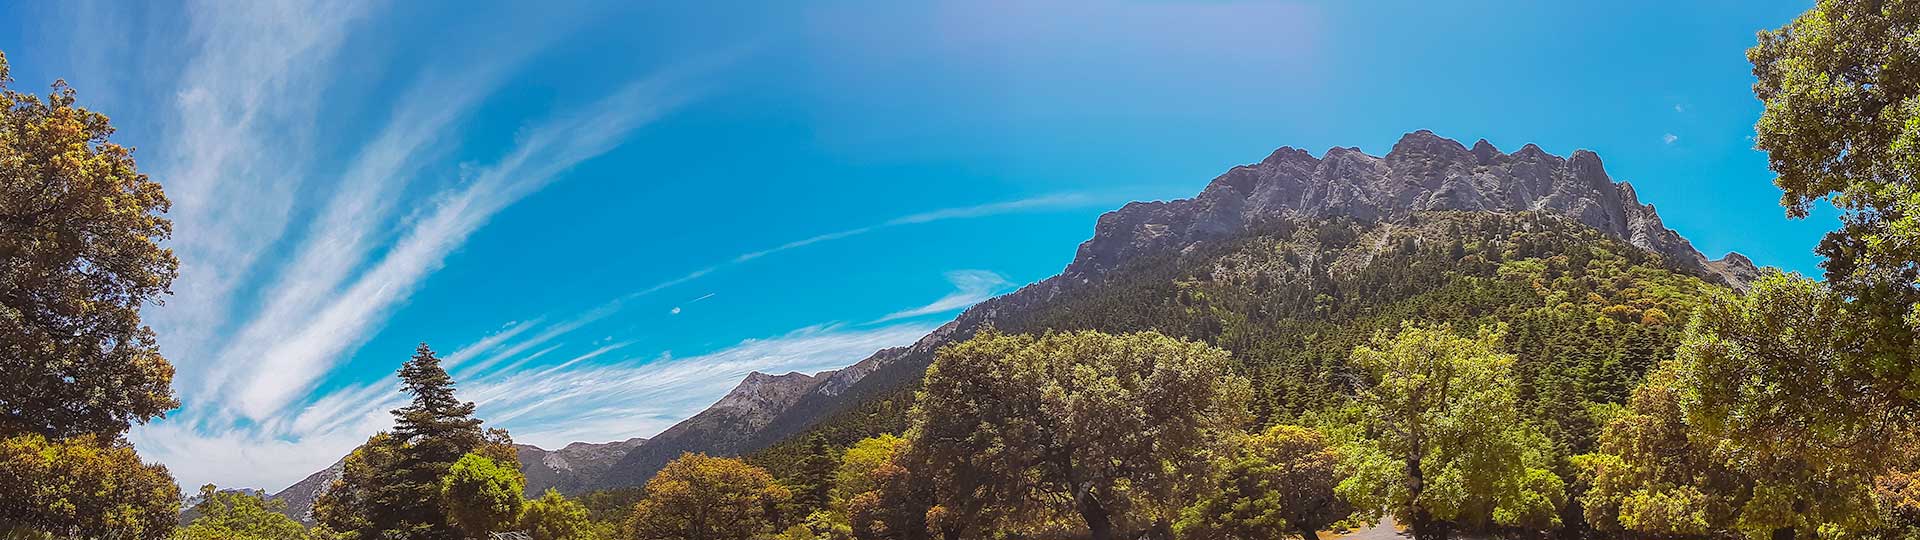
1278, 482
235, 515
480, 496
1116, 426
697, 497
83, 487
1442, 441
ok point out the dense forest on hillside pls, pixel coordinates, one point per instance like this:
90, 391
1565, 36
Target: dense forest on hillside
1588, 314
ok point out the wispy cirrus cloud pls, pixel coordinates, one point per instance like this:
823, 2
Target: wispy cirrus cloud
970, 294
577, 401
244, 110
970, 287
295, 362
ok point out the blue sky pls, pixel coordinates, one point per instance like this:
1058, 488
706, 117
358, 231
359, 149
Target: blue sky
606, 214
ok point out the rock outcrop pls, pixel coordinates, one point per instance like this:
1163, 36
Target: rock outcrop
573, 467
1423, 172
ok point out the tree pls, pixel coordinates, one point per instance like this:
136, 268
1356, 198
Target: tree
392, 484
696, 497
436, 426
233, 515
1442, 439
1841, 110
813, 484
554, 517
1760, 399
870, 498
80, 229
81, 487
480, 496
1117, 427
1278, 482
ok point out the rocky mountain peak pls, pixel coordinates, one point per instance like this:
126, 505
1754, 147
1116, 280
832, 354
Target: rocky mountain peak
1423, 172
763, 392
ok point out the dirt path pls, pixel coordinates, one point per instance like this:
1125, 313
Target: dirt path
1382, 531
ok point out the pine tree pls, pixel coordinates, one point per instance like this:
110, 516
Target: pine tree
438, 426
392, 486
814, 484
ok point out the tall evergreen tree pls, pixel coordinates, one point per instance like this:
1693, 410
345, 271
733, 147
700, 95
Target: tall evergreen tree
399, 493
813, 484
438, 425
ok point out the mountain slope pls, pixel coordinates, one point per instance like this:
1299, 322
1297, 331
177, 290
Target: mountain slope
721, 429
1424, 175
572, 468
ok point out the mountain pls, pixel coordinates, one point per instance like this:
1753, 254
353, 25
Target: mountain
722, 429
1422, 177
1423, 172
301, 495
570, 468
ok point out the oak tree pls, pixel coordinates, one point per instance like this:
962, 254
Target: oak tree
1115, 427
1442, 441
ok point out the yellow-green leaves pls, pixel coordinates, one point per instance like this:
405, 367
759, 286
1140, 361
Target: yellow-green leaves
696, 496
1443, 440
79, 256
1018, 432
480, 496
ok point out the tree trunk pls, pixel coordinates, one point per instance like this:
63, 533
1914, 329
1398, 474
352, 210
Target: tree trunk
1307, 533
1099, 523
1783, 533
1425, 527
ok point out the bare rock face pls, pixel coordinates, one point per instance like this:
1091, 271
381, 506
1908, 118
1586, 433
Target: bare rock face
1423, 172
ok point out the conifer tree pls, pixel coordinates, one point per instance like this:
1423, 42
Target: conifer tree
392, 485
813, 488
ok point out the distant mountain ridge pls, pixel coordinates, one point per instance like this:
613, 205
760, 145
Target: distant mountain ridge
724, 428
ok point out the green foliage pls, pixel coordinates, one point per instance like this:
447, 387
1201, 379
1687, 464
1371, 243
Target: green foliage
813, 484
80, 229
242, 516
1276, 482
875, 496
480, 496
83, 487
553, 517
1841, 124
610, 505
1442, 440
1760, 424
1115, 426
393, 484
708, 498
1586, 317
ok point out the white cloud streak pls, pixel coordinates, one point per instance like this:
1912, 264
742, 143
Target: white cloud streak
296, 362
970, 287
242, 116
577, 401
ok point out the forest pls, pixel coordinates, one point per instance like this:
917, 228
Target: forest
1456, 374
